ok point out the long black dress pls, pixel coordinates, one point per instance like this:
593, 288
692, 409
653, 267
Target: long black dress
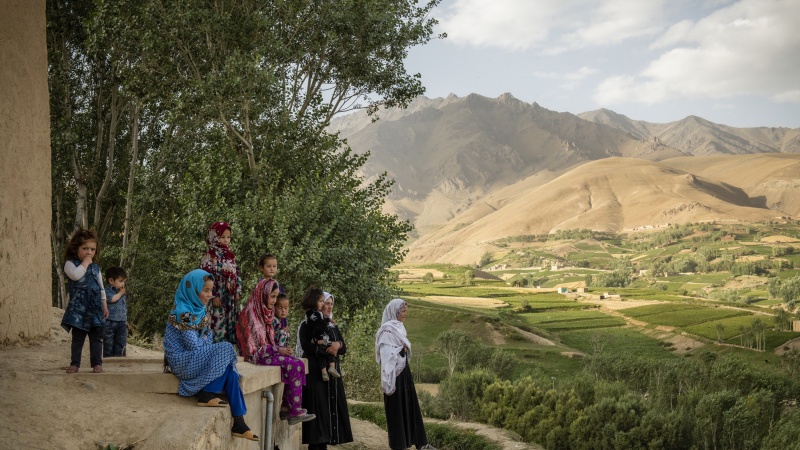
403, 417
325, 399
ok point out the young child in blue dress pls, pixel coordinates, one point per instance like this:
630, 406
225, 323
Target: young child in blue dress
87, 309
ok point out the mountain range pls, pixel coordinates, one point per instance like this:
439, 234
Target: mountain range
470, 170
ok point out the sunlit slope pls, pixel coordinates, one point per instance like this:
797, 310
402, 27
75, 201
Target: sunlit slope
613, 194
772, 179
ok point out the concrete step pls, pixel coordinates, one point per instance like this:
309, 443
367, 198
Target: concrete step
146, 375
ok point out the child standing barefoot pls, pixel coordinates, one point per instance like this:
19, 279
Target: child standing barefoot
87, 309
220, 262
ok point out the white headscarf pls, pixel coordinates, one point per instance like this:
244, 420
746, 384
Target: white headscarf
389, 342
328, 297
298, 349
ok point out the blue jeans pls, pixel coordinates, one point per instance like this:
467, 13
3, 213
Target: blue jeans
228, 382
115, 339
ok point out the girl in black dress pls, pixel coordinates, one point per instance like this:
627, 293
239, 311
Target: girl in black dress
392, 352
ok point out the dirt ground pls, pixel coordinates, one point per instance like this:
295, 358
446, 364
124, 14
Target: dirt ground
42, 407
367, 435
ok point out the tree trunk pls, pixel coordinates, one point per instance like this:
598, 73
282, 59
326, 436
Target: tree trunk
131, 176
116, 107
58, 245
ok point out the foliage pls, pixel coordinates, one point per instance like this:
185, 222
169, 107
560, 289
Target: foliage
167, 116
362, 374
372, 412
785, 433
454, 345
486, 258
440, 435
456, 392
449, 437
687, 403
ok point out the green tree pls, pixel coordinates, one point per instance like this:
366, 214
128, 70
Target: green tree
790, 289
427, 278
720, 331
454, 345
469, 275
783, 319
168, 116
486, 258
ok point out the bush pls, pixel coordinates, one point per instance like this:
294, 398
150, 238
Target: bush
363, 376
445, 437
503, 363
439, 435
459, 392
371, 412
430, 405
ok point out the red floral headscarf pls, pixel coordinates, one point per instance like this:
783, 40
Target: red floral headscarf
254, 327
220, 261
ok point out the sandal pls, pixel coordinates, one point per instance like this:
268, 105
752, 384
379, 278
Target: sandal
241, 430
210, 399
216, 401
246, 435
72, 369
97, 369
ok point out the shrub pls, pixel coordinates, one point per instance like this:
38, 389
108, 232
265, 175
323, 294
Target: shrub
503, 363
430, 405
363, 378
459, 392
446, 437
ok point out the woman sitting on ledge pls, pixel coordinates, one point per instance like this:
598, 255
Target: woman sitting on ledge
255, 336
204, 369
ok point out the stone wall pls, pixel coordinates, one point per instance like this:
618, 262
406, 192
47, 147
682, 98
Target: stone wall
25, 196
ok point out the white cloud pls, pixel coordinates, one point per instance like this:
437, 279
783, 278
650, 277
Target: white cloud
750, 47
579, 74
554, 26
613, 21
569, 80
787, 97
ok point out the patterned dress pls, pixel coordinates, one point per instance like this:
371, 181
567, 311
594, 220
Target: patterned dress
256, 339
195, 359
220, 261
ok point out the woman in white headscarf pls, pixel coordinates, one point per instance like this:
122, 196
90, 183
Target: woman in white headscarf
392, 352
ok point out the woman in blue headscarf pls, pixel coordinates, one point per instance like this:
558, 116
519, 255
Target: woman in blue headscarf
205, 369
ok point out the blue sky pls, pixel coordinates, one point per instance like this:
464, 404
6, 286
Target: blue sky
731, 62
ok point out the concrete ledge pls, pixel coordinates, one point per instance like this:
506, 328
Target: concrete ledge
146, 375
196, 428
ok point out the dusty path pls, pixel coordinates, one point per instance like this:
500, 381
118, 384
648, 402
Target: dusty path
507, 439
367, 435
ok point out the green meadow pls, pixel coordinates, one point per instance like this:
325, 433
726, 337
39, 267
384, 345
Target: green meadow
698, 305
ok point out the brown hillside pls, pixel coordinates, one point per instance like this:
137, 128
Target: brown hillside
447, 154
773, 180
696, 136
614, 194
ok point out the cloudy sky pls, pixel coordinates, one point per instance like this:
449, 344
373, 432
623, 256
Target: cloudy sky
731, 62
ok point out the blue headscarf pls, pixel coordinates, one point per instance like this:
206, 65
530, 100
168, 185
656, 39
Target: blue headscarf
190, 312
